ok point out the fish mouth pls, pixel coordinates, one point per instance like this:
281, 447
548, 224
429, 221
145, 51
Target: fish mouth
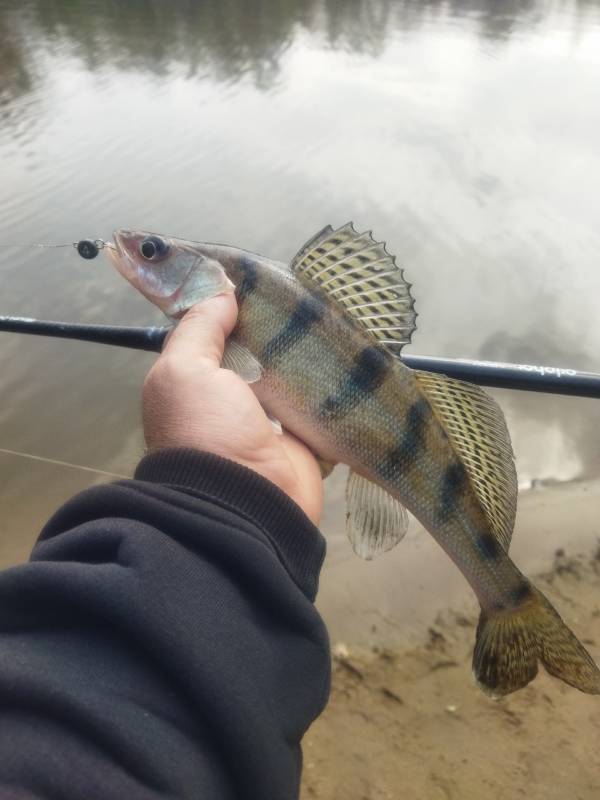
122, 239
121, 252
117, 243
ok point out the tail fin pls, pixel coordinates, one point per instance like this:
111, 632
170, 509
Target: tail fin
510, 643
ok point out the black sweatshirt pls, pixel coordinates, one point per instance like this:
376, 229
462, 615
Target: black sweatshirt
162, 641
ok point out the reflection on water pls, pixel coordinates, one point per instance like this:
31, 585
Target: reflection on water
465, 133
566, 430
229, 40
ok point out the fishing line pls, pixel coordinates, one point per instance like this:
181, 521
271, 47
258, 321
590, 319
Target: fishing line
87, 248
56, 462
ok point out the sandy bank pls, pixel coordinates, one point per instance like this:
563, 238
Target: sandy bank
405, 718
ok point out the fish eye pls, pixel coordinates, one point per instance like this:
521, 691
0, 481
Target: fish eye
153, 248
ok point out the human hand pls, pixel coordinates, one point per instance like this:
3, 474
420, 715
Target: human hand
189, 401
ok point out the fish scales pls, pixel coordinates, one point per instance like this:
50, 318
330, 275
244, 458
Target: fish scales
326, 332
389, 434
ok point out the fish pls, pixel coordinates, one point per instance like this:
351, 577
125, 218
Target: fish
320, 339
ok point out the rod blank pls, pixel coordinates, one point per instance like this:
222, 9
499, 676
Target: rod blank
525, 377
150, 339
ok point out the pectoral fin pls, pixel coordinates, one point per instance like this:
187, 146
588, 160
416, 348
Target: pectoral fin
375, 521
240, 360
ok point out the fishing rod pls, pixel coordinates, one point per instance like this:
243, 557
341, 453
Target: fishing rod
524, 377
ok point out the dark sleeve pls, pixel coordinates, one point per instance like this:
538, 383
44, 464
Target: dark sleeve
162, 641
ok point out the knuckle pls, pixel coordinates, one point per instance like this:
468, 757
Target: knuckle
170, 370
161, 374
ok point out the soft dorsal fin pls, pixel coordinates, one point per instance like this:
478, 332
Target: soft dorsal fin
358, 273
477, 429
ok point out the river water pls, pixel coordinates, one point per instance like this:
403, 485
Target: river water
465, 134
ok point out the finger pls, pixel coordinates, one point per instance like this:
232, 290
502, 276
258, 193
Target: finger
202, 331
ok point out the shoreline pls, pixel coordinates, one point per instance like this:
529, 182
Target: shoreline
409, 720
405, 716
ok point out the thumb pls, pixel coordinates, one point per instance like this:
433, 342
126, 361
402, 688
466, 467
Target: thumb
202, 331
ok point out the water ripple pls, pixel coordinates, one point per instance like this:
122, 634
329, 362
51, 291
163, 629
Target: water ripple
466, 134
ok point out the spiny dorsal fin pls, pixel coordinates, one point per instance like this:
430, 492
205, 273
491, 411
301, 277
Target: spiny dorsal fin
476, 427
375, 521
358, 273
312, 243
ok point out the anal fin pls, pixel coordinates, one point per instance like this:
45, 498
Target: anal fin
375, 521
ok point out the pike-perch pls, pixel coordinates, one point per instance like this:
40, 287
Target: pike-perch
320, 339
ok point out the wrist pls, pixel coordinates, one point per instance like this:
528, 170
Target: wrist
229, 484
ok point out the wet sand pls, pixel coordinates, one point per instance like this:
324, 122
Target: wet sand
405, 717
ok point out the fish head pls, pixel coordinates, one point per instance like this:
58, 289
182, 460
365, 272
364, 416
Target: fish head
174, 274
